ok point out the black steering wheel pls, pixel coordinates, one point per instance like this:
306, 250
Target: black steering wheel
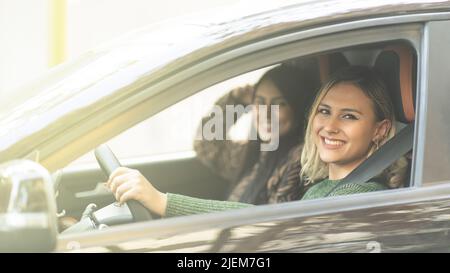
113, 214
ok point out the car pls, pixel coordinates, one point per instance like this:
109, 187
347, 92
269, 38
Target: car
82, 104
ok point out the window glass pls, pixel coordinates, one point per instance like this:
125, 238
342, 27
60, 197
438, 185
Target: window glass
173, 129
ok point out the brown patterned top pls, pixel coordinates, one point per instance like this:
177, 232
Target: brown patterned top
235, 162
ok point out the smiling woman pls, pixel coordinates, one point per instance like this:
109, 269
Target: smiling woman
351, 117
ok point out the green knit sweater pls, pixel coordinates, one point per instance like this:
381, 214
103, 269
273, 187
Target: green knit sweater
178, 205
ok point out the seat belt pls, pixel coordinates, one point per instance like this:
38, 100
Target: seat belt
382, 158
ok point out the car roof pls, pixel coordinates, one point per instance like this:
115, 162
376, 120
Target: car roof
71, 92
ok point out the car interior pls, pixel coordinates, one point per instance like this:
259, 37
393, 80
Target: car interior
395, 61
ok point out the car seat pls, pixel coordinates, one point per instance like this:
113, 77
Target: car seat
397, 65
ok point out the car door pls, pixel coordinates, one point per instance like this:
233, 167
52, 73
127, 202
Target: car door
415, 218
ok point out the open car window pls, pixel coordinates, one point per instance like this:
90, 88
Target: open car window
190, 177
173, 130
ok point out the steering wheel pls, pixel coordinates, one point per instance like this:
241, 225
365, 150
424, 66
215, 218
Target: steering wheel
114, 214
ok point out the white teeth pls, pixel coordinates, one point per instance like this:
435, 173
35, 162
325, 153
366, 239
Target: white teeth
333, 142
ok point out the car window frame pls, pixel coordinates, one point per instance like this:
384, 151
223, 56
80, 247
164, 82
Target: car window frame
356, 201
432, 104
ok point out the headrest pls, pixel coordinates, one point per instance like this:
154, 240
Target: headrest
319, 68
397, 65
330, 63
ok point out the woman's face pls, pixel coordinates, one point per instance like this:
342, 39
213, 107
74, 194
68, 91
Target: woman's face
268, 94
345, 126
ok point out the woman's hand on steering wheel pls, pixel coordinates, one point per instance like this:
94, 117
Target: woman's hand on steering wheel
129, 184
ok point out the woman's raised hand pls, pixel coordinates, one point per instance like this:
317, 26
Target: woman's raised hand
243, 94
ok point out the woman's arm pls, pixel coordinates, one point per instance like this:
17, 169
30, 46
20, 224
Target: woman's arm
129, 184
224, 157
178, 205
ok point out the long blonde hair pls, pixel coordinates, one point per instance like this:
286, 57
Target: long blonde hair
313, 168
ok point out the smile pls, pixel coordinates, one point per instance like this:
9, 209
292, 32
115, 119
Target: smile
332, 143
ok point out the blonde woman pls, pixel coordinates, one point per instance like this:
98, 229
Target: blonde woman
350, 118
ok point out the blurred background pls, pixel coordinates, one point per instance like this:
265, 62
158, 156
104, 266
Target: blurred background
36, 35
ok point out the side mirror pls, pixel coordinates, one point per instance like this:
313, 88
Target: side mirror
27, 208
